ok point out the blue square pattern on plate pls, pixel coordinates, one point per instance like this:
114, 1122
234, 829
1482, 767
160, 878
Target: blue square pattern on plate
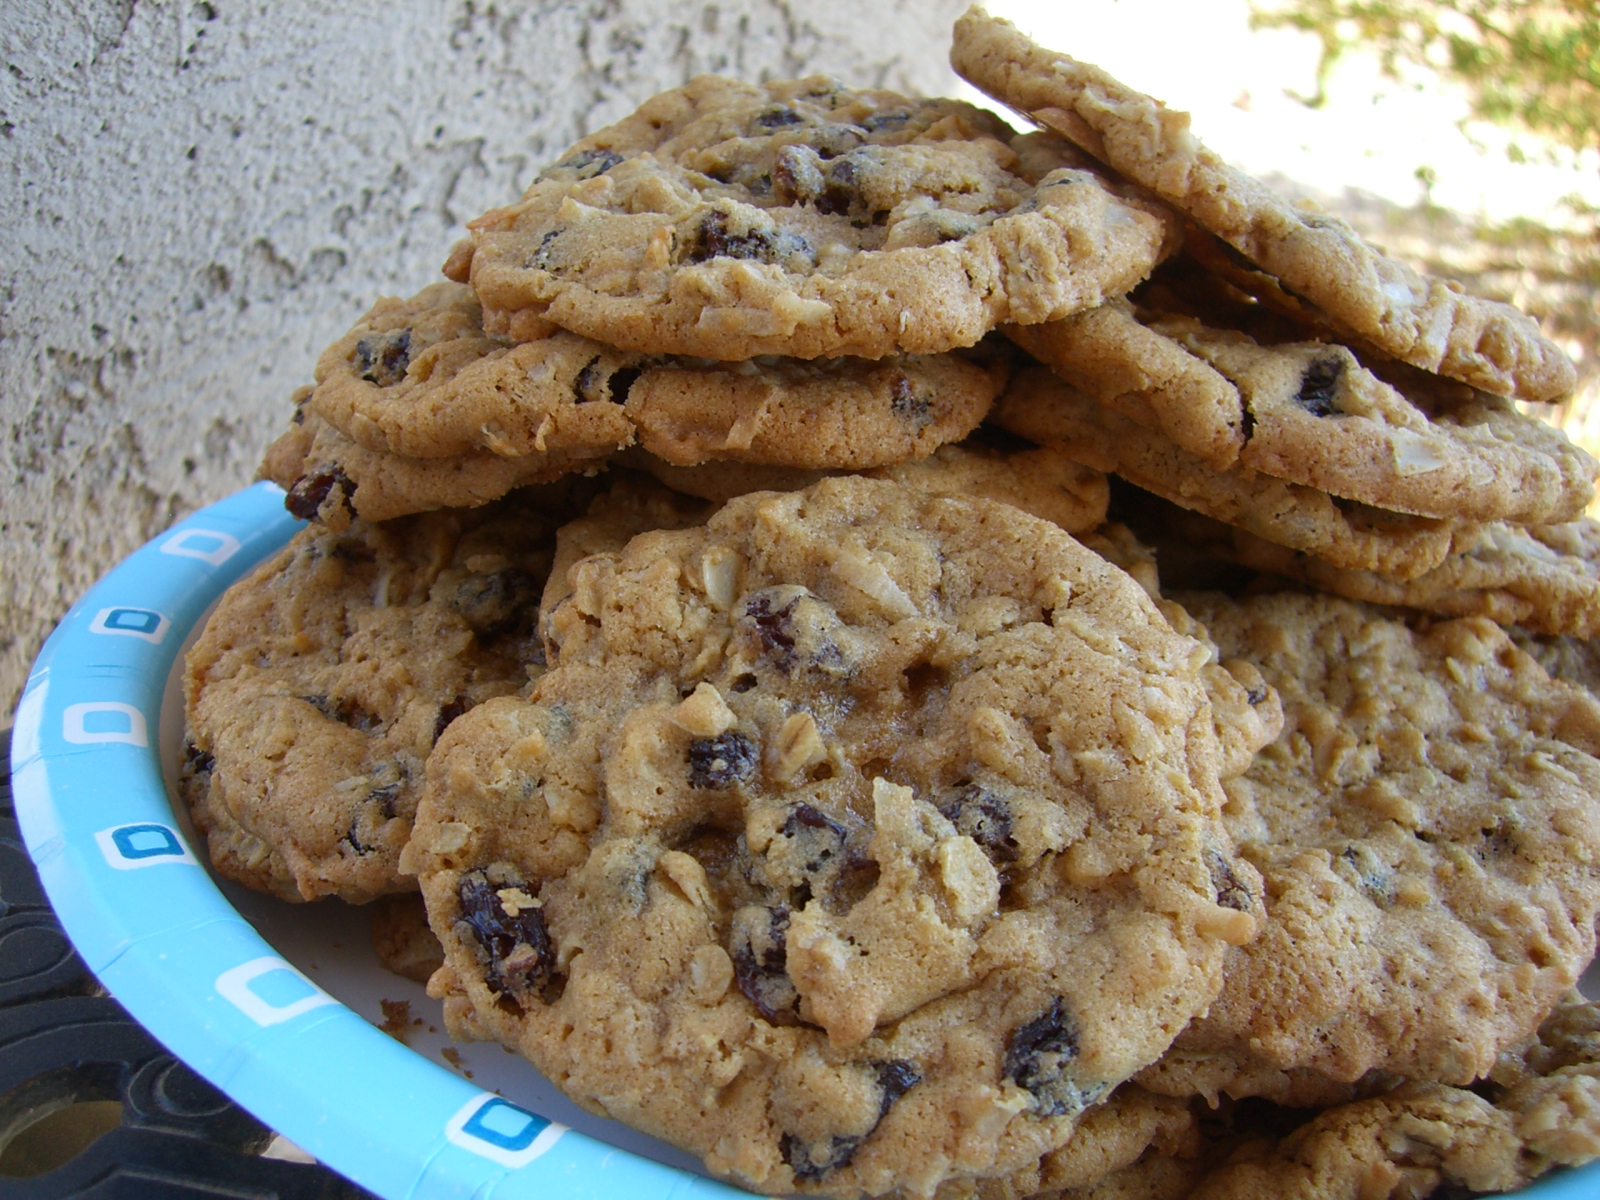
153, 926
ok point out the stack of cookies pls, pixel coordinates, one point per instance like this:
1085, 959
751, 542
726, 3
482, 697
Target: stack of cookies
909, 658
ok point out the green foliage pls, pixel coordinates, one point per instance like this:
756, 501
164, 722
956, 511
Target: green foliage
1526, 64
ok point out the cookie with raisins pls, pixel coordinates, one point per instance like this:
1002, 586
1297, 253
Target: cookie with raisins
420, 378
858, 839
1429, 323
1040, 406
1312, 413
729, 220
323, 679
332, 479
1426, 828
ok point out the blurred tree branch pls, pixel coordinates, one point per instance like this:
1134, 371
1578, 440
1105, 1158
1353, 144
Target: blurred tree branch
1530, 66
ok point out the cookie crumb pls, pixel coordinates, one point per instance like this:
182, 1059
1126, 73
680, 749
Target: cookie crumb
397, 1021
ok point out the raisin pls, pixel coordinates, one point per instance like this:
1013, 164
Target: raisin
1231, 892
840, 191
346, 712
1037, 1057
497, 603
310, 492
774, 628
722, 761
904, 401
792, 628
540, 258
384, 357
716, 240
1319, 386
517, 948
896, 1077
811, 1161
589, 385
1372, 874
807, 1163
895, 118
796, 175
717, 850
817, 837
197, 761
354, 836
449, 712
1256, 695
982, 816
355, 715
586, 163
758, 945
777, 117
831, 141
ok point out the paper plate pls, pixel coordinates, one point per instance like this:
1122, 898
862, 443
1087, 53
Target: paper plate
277, 1004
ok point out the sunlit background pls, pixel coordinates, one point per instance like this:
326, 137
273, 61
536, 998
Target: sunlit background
1400, 160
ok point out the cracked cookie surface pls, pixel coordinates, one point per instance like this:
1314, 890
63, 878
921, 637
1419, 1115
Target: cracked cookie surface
856, 840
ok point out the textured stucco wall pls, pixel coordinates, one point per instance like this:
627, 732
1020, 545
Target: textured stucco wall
196, 197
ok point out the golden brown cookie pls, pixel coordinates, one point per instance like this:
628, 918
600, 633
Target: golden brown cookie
826, 414
1043, 408
728, 220
1427, 322
332, 479
1545, 578
323, 679
420, 378
1312, 413
1426, 827
857, 840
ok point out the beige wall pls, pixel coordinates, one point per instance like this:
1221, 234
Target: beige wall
196, 197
